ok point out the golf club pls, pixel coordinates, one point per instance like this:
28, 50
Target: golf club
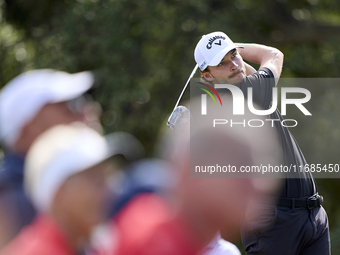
180, 110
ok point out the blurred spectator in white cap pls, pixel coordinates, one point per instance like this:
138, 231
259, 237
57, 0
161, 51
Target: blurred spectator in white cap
30, 104
65, 176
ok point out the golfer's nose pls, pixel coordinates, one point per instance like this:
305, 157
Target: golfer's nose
234, 65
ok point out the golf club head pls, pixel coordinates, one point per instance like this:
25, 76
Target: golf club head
179, 118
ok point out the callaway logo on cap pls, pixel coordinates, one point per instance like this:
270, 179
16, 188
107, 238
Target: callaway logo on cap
212, 48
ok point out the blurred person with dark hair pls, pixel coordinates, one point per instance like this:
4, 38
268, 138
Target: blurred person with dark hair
188, 214
299, 224
65, 176
30, 104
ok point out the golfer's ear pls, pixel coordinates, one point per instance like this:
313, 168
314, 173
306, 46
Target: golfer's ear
207, 76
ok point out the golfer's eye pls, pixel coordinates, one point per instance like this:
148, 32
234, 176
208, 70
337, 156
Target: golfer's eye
221, 64
234, 55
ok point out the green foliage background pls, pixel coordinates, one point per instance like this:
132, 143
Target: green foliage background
142, 54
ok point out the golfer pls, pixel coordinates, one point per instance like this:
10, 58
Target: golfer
298, 224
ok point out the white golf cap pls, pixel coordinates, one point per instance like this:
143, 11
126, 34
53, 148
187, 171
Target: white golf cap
24, 96
57, 154
212, 48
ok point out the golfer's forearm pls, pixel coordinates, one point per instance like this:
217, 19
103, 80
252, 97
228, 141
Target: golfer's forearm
259, 54
263, 55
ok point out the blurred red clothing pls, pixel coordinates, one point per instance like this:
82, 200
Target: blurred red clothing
41, 237
147, 226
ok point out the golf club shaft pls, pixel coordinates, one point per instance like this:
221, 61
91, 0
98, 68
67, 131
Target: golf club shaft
191, 75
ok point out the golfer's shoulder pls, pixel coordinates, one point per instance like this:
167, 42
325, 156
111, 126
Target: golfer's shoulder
263, 75
263, 72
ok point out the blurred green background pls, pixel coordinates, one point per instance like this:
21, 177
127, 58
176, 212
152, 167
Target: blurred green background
142, 54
